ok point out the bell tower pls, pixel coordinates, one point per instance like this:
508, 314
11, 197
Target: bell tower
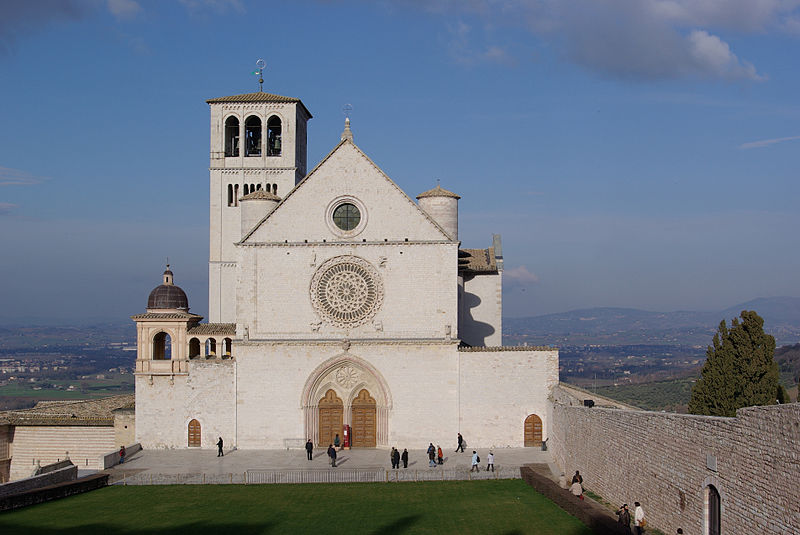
258, 142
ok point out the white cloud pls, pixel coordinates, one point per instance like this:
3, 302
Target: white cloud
767, 142
714, 57
124, 9
520, 276
16, 177
646, 39
6, 207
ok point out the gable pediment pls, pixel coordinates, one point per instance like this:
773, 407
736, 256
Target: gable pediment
380, 209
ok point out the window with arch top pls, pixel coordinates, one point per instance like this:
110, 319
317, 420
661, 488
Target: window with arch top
231, 136
252, 136
274, 136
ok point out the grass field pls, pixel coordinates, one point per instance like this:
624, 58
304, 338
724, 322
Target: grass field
457, 508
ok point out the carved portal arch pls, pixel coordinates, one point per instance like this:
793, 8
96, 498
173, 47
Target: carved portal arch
346, 376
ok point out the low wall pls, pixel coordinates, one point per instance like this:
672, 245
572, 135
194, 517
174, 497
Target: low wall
112, 459
51, 477
590, 513
66, 463
666, 461
53, 492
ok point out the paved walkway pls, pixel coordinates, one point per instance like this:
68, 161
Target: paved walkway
196, 461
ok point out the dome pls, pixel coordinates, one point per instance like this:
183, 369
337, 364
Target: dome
168, 295
438, 191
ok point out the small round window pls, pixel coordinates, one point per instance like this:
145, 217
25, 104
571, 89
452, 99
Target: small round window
346, 216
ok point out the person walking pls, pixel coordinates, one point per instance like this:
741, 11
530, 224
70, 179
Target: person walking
475, 461
336, 441
122, 454
405, 458
577, 477
624, 518
431, 455
332, 455
309, 449
396, 458
490, 461
439, 454
460, 443
219, 448
638, 519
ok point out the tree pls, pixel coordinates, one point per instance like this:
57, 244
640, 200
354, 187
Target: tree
739, 371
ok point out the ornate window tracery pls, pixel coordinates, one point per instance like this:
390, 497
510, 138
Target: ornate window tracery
346, 291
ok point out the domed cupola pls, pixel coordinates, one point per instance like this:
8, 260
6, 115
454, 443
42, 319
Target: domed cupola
442, 206
167, 295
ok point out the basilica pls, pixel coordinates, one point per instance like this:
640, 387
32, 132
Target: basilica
338, 304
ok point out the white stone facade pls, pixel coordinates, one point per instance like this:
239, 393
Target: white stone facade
344, 288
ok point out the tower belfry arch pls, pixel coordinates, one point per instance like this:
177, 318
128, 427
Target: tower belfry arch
364, 394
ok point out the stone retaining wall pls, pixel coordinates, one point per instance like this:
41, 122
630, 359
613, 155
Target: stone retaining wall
666, 461
51, 477
53, 492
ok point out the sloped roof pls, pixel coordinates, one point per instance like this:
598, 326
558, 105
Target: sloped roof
213, 328
438, 191
261, 195
258, 96
319, 165
476, 261
91, 412
166, 316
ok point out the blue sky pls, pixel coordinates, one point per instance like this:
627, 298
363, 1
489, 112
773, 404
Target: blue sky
637, 153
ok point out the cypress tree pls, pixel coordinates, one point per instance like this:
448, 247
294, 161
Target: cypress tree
739, 371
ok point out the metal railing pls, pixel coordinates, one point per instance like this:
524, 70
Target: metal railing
330, 475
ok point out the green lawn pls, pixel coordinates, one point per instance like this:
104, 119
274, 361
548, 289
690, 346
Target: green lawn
479, 507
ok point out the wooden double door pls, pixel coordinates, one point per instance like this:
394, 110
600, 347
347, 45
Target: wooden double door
362, 419
533, 431
194, 434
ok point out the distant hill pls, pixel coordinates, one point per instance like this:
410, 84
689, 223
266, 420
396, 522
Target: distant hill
621, 326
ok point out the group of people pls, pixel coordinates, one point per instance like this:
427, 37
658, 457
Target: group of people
623, 513
395, 457
638, 518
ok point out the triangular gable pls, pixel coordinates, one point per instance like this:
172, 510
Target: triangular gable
417, 225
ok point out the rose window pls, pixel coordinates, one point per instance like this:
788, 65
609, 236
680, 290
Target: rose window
346, 291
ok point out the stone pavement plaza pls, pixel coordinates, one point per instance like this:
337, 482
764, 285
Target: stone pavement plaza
205, 461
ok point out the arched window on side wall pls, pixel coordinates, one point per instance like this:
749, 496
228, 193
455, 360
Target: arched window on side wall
236, 194
713, 510
194, 348
230, 195
274, 136
274, 189
162, 346
231, 136
211, 347
227, 343
252, 136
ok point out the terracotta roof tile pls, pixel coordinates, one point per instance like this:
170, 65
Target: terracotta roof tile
477, 261
214, 328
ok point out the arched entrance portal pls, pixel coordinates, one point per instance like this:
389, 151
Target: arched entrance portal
331, 412
194, 434
363, 420
364, 397
533, 431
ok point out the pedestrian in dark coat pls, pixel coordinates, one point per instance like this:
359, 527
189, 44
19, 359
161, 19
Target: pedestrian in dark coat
624, 518
309, 449
577, 478
405, 458
460, 443
431, 455
219, 447
396, 458
332, 455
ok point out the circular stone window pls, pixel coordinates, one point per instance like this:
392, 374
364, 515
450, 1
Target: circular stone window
346, 216
346, 291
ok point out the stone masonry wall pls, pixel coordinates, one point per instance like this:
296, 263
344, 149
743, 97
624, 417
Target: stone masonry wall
666, 461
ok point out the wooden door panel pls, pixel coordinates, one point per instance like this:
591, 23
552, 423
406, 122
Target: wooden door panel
363, 421
194, 434
533, 431
331, 414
